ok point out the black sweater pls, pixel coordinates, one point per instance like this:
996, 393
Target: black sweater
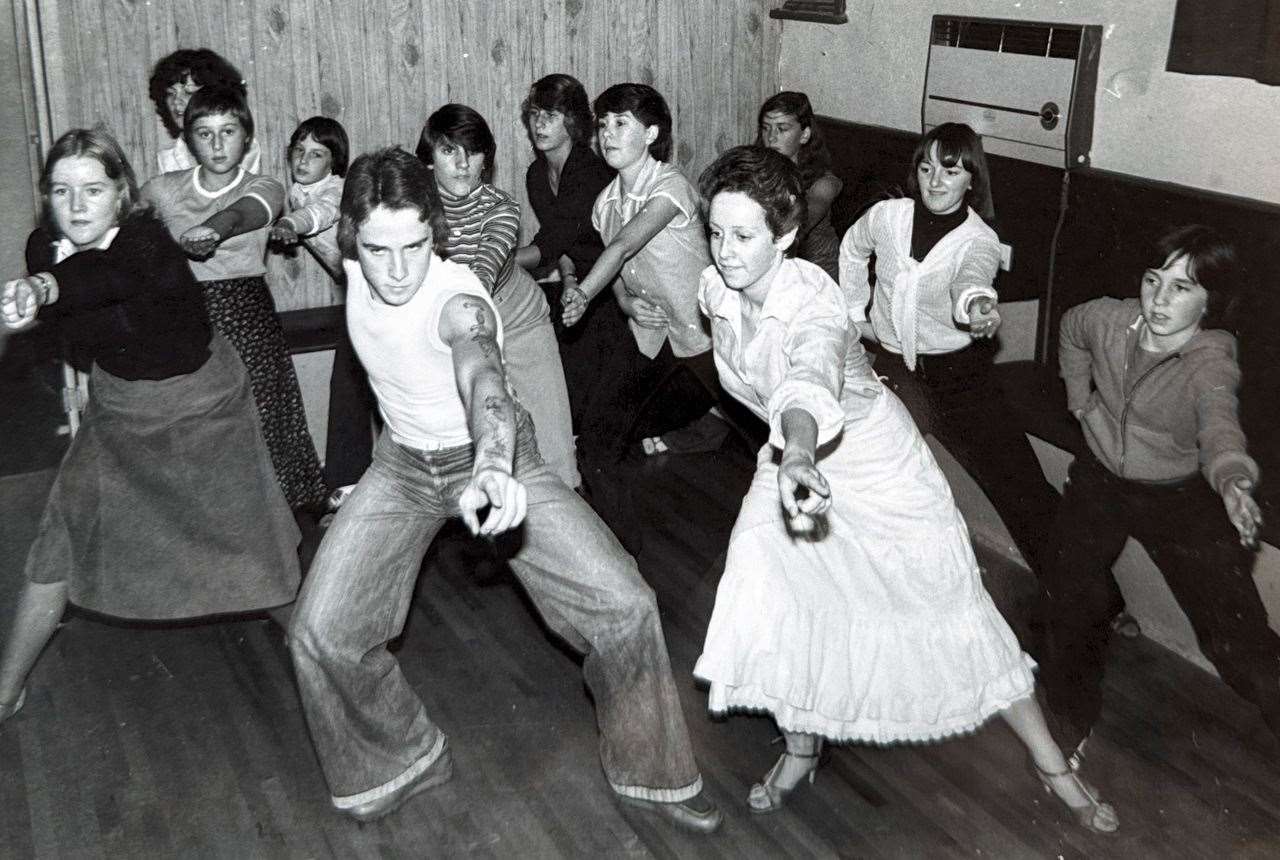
564, 219
134, 308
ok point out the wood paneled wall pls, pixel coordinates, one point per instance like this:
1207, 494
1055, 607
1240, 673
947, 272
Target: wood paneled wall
381, 67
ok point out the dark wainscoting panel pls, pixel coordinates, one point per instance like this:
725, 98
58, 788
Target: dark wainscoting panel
1110, 222
874, 163
1113, 220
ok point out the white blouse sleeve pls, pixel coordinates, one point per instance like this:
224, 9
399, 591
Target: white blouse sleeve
855, 256
813, 349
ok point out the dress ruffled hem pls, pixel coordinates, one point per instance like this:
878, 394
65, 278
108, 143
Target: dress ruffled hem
1014, 686
915, 669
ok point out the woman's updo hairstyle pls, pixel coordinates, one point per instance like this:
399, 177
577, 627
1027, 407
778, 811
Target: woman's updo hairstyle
767, 177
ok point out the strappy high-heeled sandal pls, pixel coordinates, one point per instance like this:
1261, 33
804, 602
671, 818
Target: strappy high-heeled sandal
767, 796
11, 709
1095, 815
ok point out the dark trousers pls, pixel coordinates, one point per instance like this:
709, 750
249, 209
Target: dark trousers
634, 397
586, 349
1185, 530
637, 396
955, 398
348, 446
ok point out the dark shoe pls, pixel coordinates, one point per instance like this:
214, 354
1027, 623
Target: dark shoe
11, 709
438, 773
697, 814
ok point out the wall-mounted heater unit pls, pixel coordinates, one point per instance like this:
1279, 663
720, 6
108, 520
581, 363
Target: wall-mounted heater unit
1026, 87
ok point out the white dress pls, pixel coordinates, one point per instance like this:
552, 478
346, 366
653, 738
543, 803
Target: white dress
878, 628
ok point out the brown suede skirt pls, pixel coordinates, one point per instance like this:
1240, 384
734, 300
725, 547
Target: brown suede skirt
165, 505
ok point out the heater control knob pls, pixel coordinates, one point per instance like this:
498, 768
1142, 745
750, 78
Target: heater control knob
1049, 116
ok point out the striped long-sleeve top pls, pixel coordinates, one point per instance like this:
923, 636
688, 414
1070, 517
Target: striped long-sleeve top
484, 229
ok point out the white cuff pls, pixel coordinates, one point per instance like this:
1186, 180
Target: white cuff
961, 310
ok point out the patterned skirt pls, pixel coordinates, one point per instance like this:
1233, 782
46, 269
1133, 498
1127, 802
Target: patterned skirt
243, 312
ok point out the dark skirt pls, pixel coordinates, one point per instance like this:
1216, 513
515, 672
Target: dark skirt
165, 505
241, 309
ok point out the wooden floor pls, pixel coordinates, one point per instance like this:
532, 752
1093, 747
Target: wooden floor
189, 741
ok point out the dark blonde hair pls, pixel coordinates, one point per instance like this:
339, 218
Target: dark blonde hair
98, 144
565, 95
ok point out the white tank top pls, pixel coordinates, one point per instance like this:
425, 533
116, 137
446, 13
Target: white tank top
410, 369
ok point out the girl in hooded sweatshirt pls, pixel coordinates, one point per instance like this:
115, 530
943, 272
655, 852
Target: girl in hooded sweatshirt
1153, 382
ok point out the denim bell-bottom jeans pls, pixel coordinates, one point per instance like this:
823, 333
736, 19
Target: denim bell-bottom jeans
370, 729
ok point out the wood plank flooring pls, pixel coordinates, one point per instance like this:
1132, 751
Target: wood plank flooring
188, 741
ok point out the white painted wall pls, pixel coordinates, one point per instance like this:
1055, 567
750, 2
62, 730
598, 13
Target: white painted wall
1208, 132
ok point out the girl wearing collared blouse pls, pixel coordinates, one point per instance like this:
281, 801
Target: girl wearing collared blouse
655, 247
851, 606
935, 318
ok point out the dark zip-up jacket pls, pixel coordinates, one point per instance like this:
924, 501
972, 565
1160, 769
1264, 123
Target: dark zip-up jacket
1179, 415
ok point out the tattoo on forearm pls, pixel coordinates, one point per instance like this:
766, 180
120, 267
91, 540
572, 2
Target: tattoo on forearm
498, 420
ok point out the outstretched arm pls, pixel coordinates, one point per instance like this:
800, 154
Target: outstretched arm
498, 236
973, 293
21, 298
319, 214
801, 487
528, 257
262, 202
468, 327
647, 223
856, 249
